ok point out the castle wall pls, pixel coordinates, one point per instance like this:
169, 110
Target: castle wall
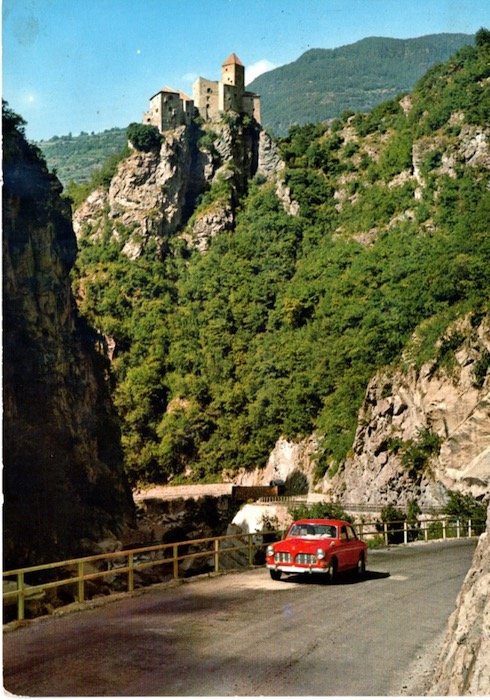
167, 111
230, 98
251, 105
206, 98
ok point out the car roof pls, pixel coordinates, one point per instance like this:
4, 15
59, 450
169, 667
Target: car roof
321, 521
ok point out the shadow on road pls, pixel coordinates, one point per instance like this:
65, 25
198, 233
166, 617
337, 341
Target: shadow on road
342, 579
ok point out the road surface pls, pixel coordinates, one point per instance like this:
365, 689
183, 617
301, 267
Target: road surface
244, 634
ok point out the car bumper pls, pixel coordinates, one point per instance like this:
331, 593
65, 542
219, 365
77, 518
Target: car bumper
291, 569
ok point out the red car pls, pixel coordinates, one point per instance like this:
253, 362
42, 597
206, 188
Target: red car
317, 546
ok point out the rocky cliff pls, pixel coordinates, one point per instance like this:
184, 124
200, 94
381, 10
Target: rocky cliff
63, 482
463, 667
422, 431
154, 194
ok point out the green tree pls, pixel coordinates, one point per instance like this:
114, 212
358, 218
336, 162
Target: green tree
144, 137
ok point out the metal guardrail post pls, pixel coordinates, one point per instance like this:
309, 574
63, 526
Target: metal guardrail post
20, 596
130, 572
385, 529
81, 583
405, 532
425, 528
216, 556
444, 534
458, 532
469, 527
175, 560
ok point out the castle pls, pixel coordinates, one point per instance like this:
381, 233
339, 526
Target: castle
170, 108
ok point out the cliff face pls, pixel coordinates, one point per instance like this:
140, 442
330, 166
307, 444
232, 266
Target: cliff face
421, 432
463, 667
154, 194
63, 480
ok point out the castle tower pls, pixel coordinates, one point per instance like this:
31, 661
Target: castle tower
232, 85
233, 72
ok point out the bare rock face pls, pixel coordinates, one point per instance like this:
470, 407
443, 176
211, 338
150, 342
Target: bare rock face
270, 162
63, 479
209, 224
463, 667
288, 462
153, 194
146, 197
452, 407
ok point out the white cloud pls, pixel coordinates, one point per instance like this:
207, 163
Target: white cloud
190, 77
256, 69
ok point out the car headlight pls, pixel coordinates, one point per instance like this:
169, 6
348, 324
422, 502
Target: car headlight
320, 553
270, 551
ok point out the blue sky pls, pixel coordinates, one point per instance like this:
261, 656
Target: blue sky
89, 65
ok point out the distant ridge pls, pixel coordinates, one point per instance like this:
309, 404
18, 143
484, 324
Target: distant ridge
323, 83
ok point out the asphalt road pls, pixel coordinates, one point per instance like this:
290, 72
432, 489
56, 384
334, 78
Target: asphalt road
244, 634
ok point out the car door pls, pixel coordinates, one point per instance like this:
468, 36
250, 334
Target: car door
354, 547
343, 551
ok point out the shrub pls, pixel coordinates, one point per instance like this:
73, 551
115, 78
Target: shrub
466, 507
395, 518
480, 370
417, 453
144, 137
320, 510
482, 37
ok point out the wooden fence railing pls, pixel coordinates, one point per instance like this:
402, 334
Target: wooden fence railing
27, 583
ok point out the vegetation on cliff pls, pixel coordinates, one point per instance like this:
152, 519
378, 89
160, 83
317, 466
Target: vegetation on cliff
277, 329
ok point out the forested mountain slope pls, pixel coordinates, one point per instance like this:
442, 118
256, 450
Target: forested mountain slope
369, 244
76, 157
323, 83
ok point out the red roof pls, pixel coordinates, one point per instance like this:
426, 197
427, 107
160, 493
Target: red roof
232, 60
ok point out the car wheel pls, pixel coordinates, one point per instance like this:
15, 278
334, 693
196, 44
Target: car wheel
332, 570
275, 575
361, 566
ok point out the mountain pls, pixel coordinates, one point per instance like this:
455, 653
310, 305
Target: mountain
319, 85
323, 83
64, 487
76, 157
298, 305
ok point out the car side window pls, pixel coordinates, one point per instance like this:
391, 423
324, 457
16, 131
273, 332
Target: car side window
351, 532
343, 533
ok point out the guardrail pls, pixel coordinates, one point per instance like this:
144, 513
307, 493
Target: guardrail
30, 582
348, 507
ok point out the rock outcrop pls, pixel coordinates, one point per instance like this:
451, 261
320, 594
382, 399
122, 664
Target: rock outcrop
463, 667
63, 479
153, 194
421, 432
290, 462
424, 431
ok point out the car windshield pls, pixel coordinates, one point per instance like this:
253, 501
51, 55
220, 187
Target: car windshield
313, 531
